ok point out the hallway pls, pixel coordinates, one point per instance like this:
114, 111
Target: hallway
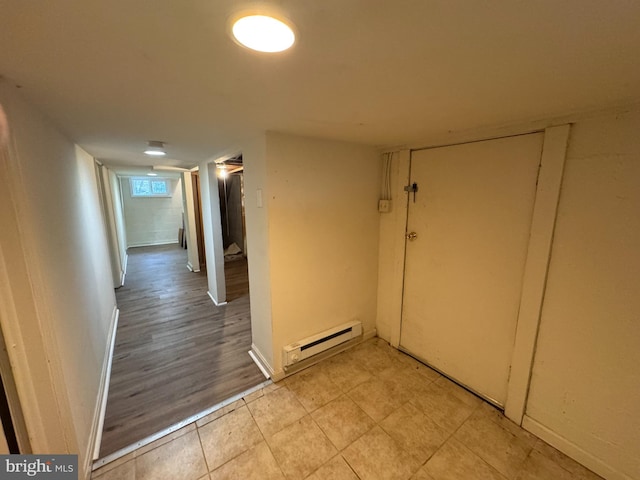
370, 413
176, 353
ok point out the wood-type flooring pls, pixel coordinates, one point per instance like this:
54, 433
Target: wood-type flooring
176, 353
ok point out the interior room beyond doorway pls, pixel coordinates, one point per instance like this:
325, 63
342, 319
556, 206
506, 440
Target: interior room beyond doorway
176, 353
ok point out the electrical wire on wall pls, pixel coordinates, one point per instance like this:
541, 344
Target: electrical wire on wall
384, 204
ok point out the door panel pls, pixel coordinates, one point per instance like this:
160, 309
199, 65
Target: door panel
463, 275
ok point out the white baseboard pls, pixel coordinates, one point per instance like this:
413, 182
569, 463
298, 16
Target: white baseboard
262, 363
123, 273
572, 450
192, 268
214, 300
368, 335
101, 405
262, 368
152, 244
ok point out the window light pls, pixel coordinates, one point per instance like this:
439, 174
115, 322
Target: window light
150, 187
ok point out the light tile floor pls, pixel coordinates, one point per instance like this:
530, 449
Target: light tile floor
368, 413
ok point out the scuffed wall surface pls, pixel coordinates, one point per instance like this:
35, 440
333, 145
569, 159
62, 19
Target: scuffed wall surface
323, 236
586, 378
66, 257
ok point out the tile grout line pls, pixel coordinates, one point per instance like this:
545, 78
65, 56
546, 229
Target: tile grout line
465, 446
263, 435
204, 455
410, 401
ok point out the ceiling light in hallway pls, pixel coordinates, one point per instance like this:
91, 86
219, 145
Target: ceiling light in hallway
155, 149
263, 33
222, 170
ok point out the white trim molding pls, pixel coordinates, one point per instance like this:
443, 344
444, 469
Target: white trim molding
262, 368
101, 406
262, 363
572, 450
536, 268
124, 269
192, 268
391, 253
214, 300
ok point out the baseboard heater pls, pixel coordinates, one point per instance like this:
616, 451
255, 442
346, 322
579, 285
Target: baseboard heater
310, 346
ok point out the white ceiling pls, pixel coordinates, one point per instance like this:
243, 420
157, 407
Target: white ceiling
114, 74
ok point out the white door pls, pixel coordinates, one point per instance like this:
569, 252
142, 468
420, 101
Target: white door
471, 216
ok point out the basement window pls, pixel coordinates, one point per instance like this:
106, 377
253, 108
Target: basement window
150, 187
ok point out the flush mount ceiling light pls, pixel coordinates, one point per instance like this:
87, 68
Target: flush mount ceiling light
263, 33
155, 149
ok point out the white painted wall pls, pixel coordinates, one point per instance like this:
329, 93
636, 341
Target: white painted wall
323, 236
585, 387
189, 217
110, 225
118, 220
58, 302
152, 220
254, 158
211, 225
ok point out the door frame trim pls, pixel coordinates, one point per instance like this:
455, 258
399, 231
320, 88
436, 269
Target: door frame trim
536, 268
392, 248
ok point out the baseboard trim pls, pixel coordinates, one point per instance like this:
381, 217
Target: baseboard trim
369, 335
123, 273
572, 450
264, 371
93, 449
261, 361
152, 244
192, 268
214, 300
123, 270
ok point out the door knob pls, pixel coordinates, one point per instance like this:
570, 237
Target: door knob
411, 236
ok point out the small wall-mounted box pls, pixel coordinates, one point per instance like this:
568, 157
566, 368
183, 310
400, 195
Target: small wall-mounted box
384, 206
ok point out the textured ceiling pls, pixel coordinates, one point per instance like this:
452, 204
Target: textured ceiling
114, 74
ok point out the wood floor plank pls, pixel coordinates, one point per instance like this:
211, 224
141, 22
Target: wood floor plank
176, 353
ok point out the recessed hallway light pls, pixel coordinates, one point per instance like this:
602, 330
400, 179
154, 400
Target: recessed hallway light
263, 33
155, 149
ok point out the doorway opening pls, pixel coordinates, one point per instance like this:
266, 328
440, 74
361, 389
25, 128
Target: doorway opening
232, 216
177, 353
